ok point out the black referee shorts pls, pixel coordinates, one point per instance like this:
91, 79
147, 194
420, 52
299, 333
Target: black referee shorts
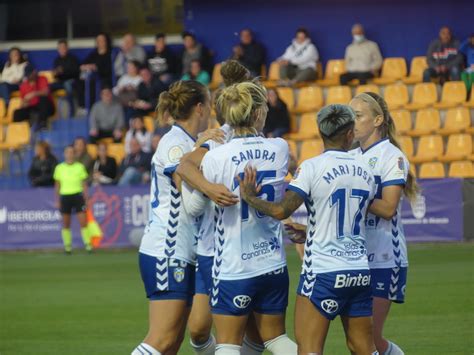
72, 203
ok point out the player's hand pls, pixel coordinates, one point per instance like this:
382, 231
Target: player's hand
248, 186
220, 195
297, 232
216, 134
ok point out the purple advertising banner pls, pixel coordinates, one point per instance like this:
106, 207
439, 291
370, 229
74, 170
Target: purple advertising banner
29, 219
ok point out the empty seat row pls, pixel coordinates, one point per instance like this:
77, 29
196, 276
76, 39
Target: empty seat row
462, 169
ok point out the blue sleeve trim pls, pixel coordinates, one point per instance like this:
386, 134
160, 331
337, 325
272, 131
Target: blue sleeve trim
205, 145
300, 192
394, 182
170, 170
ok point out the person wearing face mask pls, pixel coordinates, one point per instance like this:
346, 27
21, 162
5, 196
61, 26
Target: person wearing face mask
363, 58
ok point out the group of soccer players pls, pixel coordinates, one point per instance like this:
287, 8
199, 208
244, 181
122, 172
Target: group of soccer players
213, 250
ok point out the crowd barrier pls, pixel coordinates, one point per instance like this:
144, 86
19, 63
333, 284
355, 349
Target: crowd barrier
29, 219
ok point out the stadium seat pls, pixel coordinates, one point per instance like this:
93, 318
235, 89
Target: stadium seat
367, 88
310, 98
308, 127
433, 170
396, 96
149, 123
406, 143
417, 67
470, 102
461, 169
454, 94
393, 69
459, 147
427, 121
13, 105
273, 75
92, 150
338, 95
3, 109
310, 149
287, 96
424, 95
48, 74
216, 77
402, 119
116, 151
334, 68
17, 135
457, 121
430, 148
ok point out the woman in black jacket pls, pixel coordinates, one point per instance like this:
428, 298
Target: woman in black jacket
105, 167
278, 118
42, 167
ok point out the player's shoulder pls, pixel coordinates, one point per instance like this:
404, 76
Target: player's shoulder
390, 151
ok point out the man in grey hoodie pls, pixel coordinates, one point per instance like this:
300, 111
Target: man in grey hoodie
130, 51
443, 57
106, 119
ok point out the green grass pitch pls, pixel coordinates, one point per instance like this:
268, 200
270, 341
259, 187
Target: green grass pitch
51, 303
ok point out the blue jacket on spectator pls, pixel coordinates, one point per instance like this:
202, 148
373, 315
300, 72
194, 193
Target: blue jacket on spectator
467, 49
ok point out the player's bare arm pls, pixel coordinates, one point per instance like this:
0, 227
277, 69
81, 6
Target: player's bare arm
281, 210
386, 207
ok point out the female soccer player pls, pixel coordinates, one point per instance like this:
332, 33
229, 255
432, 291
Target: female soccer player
71, 190
167, 251
335, 278
386, 245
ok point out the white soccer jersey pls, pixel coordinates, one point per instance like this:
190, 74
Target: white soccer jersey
171, 232
206, 231
386, 244
248, 243
337, 189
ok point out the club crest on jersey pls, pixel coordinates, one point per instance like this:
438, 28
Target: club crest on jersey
401, 164
179, 274
372, 162
175, 153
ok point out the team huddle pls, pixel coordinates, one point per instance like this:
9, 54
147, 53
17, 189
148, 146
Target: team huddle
213, 252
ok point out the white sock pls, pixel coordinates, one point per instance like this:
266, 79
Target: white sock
207, 348
227, 349
251, 348
393, 349
145, 349
281, 345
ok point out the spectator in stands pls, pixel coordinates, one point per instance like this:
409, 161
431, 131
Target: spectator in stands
42, 167
249, 53
140, 133
135, 168
278, 118
197, 73
194, 50
130, 51
162, 62
81, 155
467, 48
363, 59
444, 58
12, 74
98, 62
37, 103
106, 119
298, 63
104, 169
66, 72
127, 85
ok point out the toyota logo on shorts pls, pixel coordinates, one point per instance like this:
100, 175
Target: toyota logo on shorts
329, 306
242, 301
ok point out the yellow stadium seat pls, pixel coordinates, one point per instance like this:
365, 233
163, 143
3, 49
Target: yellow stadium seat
402, 119
149, 123
334, 69
396, 96
273, 75
427, 122
433, 170
470, 102
424, 95
293, 147
406, 143
15, 93
17, 135
459, 147
13, 105
310, 149
430, 148
417, 67
107, 140
92, 150
457, 121
339, 95
287, 96
454, 94
308, 127
48, 74
461, 169
3, 109
116, 151
216, 77
367, 88
310, 98
393, 69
